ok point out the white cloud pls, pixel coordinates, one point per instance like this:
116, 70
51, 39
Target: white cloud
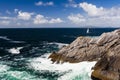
77, 18
40, 3
101, 21
94, 11
96, 16
57, 20
5, 18
27, 19
91, 16
4, 22
91, 9
40, 19
24, 15
71, 3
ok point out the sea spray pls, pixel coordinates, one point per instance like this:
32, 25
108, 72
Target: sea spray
76, 71
15, 50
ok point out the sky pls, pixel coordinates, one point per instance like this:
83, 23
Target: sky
59, 13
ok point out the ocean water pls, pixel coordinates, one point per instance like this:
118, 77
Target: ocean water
24, 54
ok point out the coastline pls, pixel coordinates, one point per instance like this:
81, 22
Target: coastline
104, 48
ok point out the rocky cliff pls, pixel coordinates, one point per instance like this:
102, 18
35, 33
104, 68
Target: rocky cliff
105, 49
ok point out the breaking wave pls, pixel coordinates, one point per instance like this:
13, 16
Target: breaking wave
67, 71
15, 50
42, 68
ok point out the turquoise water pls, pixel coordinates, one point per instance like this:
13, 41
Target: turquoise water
41, 68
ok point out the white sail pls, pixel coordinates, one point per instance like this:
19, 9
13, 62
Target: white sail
88, 31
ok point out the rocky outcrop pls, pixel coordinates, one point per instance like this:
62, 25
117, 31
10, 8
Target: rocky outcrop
86, 48
108, 67
105, 49
81, 49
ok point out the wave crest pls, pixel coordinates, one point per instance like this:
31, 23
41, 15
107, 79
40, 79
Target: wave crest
80, 70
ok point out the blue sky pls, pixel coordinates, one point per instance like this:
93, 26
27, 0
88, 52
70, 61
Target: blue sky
59, 13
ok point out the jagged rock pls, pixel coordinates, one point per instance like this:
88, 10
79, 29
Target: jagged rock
82, 49
87, 48
105, 49
108, 67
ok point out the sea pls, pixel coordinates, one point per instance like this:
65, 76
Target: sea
24, 53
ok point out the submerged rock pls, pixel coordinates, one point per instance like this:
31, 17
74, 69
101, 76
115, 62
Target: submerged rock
105, 49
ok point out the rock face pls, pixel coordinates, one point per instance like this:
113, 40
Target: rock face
105, 49
108, 67
86, 48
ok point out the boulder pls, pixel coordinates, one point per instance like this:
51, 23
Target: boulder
104, 49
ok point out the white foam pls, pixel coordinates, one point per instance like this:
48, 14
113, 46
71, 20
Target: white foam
15, 50
60, 45
3, 68
78, 70
4, 37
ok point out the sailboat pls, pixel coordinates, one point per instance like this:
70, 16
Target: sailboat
88, 31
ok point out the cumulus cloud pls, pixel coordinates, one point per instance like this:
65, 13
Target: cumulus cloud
91, 9
96, 16
22, 18
24, 15
76, 18
40, 19
40, 3
92, 15
57, 20
94, 11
